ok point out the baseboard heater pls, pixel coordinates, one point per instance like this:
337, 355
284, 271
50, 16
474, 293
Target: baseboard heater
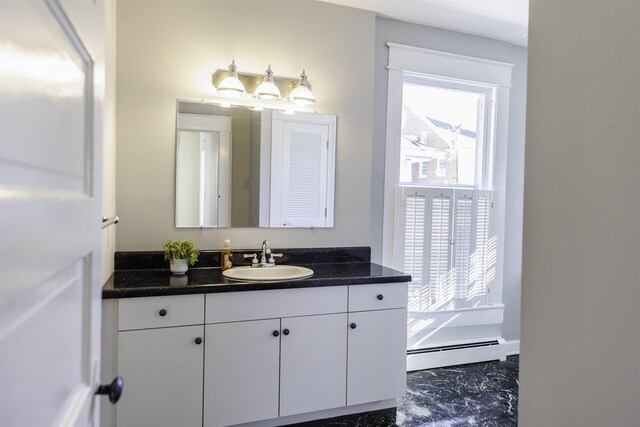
453, 347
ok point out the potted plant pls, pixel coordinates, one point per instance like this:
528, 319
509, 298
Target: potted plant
180, 254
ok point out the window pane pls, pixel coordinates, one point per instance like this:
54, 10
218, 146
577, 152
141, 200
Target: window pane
440, 138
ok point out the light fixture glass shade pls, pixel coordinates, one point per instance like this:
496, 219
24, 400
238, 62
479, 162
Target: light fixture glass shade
301, 94
231, 85
267, 89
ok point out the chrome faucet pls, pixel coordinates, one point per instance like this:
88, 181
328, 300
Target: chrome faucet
266, 251
267, 258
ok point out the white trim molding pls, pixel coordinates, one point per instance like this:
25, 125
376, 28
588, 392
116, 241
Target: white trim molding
444, 64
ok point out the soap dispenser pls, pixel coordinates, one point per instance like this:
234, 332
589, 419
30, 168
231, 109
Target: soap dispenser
226, 255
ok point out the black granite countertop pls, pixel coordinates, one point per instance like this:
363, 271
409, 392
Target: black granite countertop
149, 282
143, 274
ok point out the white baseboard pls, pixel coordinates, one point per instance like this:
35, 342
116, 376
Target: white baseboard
511, 347
464, 356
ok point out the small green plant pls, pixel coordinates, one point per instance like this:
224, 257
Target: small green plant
181, 249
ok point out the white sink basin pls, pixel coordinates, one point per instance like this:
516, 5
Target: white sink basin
268, 274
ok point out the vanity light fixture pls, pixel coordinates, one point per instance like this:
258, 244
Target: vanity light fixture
231, 85
301, 94
267, 89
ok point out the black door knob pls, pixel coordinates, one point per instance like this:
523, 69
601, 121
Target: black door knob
353, 326
113, 390
162, 312
285, 331
198, 340
276, 333
380, 297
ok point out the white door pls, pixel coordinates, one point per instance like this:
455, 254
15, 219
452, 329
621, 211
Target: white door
377, 363
313, 363
51, 92
241, 372
163, 371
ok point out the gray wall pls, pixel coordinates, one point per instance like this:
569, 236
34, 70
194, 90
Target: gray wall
169, 49
580, 360
388, 30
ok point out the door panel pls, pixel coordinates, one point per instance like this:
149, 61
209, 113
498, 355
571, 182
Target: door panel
37, 330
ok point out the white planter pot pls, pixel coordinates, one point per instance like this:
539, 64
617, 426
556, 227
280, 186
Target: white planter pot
178, 266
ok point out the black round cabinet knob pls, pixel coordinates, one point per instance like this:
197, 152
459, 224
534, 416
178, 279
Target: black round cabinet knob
285, 331
276, 333
380, 297
162, 312
353, 326
113, 390
198, 340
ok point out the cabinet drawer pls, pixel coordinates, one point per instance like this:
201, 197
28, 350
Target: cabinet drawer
159, 312
253, 305
377, 297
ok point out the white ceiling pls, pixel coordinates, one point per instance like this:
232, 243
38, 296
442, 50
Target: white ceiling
505, 20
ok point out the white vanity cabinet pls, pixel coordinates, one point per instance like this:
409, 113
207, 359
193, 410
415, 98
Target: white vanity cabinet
229, 358
160, 356
377, 359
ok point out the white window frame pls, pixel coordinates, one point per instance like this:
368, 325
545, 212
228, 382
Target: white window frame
446, 67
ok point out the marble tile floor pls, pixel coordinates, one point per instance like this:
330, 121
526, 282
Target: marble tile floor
478, 395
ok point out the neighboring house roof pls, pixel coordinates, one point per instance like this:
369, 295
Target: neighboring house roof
410, 144
414, 125
443, 125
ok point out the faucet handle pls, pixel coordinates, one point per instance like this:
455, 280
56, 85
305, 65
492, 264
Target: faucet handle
254, 256
274, 255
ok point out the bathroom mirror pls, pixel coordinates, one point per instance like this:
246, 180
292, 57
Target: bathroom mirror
238, 167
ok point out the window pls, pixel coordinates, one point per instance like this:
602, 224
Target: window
443, 124
440, 175
445, 174
424, 169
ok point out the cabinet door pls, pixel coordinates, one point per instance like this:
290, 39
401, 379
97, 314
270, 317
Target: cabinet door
377, 355
313, 363
162, 372
241, 372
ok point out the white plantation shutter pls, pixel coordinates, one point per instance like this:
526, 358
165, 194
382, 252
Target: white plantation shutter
447, 245
415, 206
441, 280
462, 240
485, 245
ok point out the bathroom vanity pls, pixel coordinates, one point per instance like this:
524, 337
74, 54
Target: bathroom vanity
209, 351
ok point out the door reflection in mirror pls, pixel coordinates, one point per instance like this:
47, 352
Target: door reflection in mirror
203, 171
237, 167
